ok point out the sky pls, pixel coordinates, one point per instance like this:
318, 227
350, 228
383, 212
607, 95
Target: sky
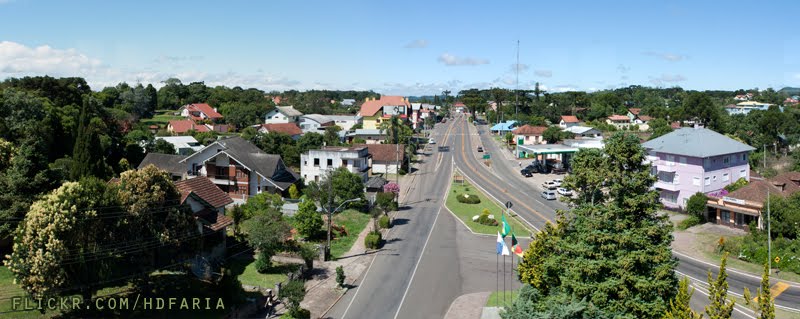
410, 47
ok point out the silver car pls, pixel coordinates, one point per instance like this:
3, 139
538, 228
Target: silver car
549, 195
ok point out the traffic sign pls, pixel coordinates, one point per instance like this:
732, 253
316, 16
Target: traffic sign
509, 204
777, 259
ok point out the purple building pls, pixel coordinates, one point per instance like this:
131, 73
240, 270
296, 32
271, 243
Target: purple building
691, 160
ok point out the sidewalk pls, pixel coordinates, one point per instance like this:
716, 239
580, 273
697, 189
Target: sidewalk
322, 291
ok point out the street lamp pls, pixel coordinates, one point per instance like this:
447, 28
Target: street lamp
330, 221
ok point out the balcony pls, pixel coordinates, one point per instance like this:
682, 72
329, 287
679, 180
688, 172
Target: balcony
665, 166
226, 179
666, 185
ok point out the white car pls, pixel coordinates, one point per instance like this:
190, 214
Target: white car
549, 195
564, 191
431, 141
549, 185
558, 182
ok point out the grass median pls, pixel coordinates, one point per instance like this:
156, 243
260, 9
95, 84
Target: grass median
465, 212
496, 298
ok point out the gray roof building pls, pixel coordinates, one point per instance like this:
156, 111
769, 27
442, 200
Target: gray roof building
289, 111
168, 162
696, 142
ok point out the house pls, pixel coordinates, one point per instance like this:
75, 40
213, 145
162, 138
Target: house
746, 107
346, 122
200, 112
619, 121
791, 101
316, 163
560, 152
240, 168
184, 145
584, 132
290, 129
416, 118
282, 114
316, 123
527, 134
348, 102
374, 111
170, 163
744, 97
370, 136
568, 121
502, 128
385, 158
748, 204
460, 107
184, 126
373, 186
691, 160
635, 116
207, 203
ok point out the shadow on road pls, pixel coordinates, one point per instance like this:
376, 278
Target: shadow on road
393, 240
399, 221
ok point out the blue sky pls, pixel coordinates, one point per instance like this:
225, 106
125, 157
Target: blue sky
406, 47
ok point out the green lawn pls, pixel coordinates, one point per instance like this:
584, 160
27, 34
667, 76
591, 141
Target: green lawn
161, 118
247, 274
465, 212
707, 243
354, 222
496, 298
8, 290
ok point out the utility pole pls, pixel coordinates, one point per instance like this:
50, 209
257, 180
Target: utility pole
516, 90
769, 230
330, 216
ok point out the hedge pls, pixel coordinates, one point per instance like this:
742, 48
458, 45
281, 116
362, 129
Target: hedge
373, 240
383, 222
468, 199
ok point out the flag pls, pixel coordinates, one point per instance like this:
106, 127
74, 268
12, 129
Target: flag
502, 249
515, 248
506, 228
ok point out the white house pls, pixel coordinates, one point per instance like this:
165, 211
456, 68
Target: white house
746, 107
568, 121
385, 158
346, 122
184, 145
282, 114
584, 131
315, 123
316, 163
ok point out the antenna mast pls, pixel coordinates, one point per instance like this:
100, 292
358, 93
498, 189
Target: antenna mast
516, 90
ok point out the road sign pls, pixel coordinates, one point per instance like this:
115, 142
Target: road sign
487, 156
777, 259
509, 204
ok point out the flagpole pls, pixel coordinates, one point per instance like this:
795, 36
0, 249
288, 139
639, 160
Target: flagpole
497, 271
503, 212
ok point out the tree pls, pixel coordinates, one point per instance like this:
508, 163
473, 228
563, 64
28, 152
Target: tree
697, 205
340, 276
552, 134
47, 259
396, 131
536, 268
337, 186
720, 307
766, 305
698, 106
267, 232
331, 136
659, 127
294, 292
163, 147
293, 192
585, 178
308, 221
87, 156
385, 201
679, 307
309, 141
508, 137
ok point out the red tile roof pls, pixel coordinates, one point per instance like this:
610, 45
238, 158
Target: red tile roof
615, 117
384, 152
290, 129
529, 130
634, 111
645, 118
675, 125
206, 109
569, 118
204, 188
459, 104
212, 220
756, 191
183, 126
369, 108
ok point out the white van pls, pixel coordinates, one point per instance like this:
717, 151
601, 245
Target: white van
549, 195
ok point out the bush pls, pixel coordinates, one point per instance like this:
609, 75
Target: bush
468, 199
383, 222
739, 183
263, 264
300, 313
373, 240
309, 252
696, 205
340, 276
484, 219
689, 222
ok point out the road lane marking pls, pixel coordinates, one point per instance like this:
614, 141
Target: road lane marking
775, 291
703, 282
732, 270
422, 253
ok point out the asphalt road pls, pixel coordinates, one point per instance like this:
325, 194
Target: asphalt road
380, 291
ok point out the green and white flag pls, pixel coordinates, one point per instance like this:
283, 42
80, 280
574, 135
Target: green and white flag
506, 228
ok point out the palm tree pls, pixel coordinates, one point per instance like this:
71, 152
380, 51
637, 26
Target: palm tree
393, 127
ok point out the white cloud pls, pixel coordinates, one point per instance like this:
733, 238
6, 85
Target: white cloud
417, 44
623, 69
522, 67
563, 88
17, 60
667, 78
543, 73
451, 60
672, 57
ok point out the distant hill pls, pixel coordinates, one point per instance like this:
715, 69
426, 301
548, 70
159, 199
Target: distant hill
790, 91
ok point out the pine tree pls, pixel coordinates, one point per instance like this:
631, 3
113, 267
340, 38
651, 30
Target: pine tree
720, 307
766, 305
81, 154
679, 307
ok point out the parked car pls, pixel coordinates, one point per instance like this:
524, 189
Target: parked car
431, 141
444, 120
480, 149
564, 191
549, 195
558, 182
549, 185
556, 167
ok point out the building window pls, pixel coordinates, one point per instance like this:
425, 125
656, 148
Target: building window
714, 178
696, 181
708, 181
670, 160
725, 216
725, 177
683, 161
330, 162
744, 157
316, 162
742, 174
726, 159
676, 179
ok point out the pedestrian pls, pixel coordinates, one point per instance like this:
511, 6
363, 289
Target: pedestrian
520, 164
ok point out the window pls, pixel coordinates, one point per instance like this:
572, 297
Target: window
726, 177
683, 161
725, 217
330, 162
708, 181
714, 178
670, 160
742, 174
744, 157
676, 179
706, 162
726, 160
316, 162
696, 181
